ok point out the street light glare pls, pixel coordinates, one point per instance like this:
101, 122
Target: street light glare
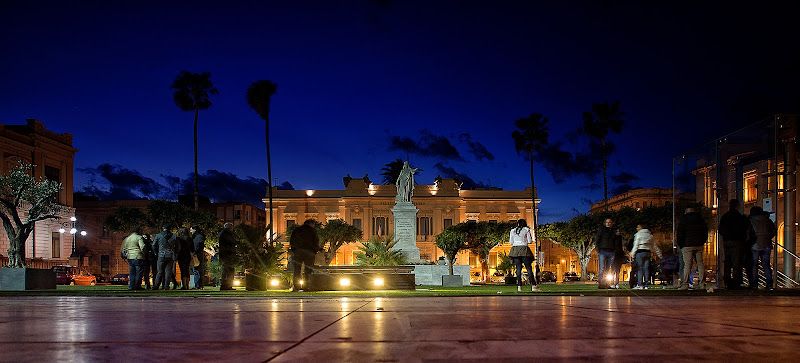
73, 218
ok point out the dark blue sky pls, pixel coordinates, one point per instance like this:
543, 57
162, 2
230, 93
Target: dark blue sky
353, 75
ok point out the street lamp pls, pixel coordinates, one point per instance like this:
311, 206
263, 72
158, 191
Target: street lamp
74, 227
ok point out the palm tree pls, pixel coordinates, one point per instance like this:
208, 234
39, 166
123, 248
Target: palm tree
192, 91
532, 134
392, 171
603, 118
259, 95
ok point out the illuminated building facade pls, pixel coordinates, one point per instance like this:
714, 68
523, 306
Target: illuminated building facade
368, 207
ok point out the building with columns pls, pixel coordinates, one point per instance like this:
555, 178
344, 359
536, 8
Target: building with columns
368, 207
53, 156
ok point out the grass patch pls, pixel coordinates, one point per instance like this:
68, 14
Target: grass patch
434, 291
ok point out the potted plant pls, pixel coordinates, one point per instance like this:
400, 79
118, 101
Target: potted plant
506, 267
258, 257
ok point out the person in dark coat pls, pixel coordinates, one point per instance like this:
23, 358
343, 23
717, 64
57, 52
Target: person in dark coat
734, 229
303, 245
227, 256
166, 248
607, 240
765, 231
150, 261
691, 235
199, 250
184, 256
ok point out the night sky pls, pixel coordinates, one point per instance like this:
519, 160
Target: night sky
362, 83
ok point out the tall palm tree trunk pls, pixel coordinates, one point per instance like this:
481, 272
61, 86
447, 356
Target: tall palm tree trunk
196, 181
269, 182
605, 178
535, 220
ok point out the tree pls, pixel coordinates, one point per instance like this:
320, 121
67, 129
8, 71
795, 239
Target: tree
335, 234
23, 196
451, 241
377, 251
192, 91
259, 96
159, 212
577, 235
481, 238
603, 118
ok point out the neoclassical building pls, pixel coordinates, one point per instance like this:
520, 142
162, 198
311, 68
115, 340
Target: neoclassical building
368, 206
53, 156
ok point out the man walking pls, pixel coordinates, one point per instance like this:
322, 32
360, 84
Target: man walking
227, 256
303, 245
198, 248
134, 248
734, 228
692, 234
166, 248
608, 239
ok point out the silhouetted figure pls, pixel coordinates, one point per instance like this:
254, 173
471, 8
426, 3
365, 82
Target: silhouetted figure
199, 250
227, 256
303, 245
608, 239
150, 261
366, 180
761, 251
692, 234
734, 228
184, 256
346, 180
166, 249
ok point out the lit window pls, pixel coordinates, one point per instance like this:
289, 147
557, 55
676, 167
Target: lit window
750, 186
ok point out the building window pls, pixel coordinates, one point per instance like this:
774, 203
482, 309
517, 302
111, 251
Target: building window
248, 215
290, 223
379, 226
423, 226
53, 174
55, 241
750, 186
357, 223
447, 223
237, 214
105, 233
105, 264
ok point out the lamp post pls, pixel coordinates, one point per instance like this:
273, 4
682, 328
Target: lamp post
74, 227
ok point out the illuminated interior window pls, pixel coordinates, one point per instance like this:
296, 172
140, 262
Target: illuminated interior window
750, 190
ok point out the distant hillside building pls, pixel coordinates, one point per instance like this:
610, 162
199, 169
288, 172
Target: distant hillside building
53, 156
640, 198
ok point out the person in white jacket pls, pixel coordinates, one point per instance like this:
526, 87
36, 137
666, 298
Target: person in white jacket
519, 238
643, 246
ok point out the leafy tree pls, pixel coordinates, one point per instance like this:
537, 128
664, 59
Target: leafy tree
159, 212
259, 96
23, 196
481, 238
603, 118
192, 91
377, 251
451, 241
577, 235
335, 234
505, 265
392, 171
531, 135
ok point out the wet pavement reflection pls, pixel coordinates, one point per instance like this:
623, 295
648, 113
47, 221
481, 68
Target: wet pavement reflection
45, 329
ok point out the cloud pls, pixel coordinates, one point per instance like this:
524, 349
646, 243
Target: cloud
124, 183
114, 182
624, 178
475, 148
450, 173
429, 144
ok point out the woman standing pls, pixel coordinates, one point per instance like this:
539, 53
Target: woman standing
519, 238
643, 247
184, 256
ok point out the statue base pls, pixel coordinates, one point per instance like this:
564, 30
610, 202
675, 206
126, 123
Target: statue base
405, 230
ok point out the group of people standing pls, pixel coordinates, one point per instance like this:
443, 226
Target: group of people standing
159, 257
747, 243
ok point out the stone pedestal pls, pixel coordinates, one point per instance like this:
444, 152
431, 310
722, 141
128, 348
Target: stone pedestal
405, 230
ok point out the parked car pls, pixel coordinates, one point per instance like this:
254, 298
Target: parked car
547, 276
119, 279
73, 275
100, 278
571, 276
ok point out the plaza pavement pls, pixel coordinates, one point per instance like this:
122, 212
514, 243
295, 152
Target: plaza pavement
399, 329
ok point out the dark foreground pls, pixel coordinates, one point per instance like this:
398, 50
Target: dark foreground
401, 329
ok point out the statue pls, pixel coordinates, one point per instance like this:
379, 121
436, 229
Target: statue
405, 184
